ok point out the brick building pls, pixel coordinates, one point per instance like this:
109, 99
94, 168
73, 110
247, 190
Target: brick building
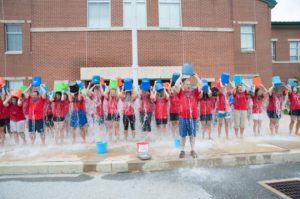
74, 39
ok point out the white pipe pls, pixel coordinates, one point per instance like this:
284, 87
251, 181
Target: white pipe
134, 44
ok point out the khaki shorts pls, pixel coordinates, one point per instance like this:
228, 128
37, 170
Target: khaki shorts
239, 117
17, 126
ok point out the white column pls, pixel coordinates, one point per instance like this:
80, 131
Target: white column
134, 44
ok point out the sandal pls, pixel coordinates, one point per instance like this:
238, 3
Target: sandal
193, 154
182, 154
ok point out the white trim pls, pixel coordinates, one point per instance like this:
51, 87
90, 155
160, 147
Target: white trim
274, 39
121, 28
285, 62
293, 39
15, 78
12, 21
28, 21
247, 22
247, 51
14, 52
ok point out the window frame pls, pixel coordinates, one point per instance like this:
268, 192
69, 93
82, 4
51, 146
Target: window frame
274, 50
98, 2
297, 51
253, 33
170, 2
14, 33
146, 18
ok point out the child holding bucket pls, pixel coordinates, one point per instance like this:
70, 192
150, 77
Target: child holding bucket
145, 106
3, 112
188, 112
78, 116
17, 118
294, 98
174, 110
274, 108
96, 94
206, 109
59, 115
160, 98
48, 119
128, 98
113, 117
258, 97
36, 105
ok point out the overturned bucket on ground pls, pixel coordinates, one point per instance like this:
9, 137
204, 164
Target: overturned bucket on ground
101, 147
177, 142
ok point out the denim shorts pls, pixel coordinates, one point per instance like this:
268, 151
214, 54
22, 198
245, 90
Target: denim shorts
187, 127
78, 119
36, 126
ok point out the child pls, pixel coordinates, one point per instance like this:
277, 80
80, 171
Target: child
206, 108
3, 116
294, 97
258, 97
78, 117
188, 112
128, 98
276, 95
145, 110
174, 110
17, 118
160, 99
113, 117
48, 119
96, 94
36, 105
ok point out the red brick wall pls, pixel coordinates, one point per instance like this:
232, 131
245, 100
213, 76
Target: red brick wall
152, 13
117, 13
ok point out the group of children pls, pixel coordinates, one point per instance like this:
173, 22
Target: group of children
179, 103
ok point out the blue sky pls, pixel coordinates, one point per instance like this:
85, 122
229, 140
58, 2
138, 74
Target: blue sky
286, 10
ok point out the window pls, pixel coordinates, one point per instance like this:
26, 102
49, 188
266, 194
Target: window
14, 84
141, 13
13, 34
169, 13
273, 50
247, 38
295, 51
98, 13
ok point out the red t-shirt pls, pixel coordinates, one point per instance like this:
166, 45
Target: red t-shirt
25, 106
213, 101
188, 104
48, 107
161, 104
206, 106
59, 108
128, 107
240, 100
257, 103
36, 108
66, 106
145, 106
174, 103
98, 100
275, 102
16, 113
79, 105
222, 101
112, 104
1, 109
294, 101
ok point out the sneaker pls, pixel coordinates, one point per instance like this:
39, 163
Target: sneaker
182, 154
193, 154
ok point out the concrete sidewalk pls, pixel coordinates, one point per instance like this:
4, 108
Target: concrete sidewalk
122, 157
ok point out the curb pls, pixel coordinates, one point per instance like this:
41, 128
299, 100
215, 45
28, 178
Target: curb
121, 166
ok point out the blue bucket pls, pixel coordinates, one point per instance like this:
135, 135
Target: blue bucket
158, 81
96, 79
80, 84
276, 80
237, 79
225, 78
4, 87
231, 99
159, 87
36, 81
204, 85
187, 69
103, 87
175, 76
45, 88
177, 142
145, 85
291, 82
127, 84
101, 147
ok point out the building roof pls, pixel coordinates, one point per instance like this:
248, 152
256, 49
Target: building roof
270, 3
285, 24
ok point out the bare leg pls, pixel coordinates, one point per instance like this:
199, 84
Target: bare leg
242, 132
271, 126
220, 127
16, 137
192, 142
259, 126
32, 137
83, 133
208, 127
297, 125
110, 128
125, 135
292, 122
117, 130
276, 125
74, 135
255, 126
182, 143
43, 138
227, 127
203, 129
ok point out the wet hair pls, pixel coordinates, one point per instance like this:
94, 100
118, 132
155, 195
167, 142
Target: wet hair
205, 95
37, 93
58, 93
214, 91
256, 91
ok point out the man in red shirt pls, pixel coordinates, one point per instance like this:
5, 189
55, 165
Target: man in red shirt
36, 114
188, 112
294, 97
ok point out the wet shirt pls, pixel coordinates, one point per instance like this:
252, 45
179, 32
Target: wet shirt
79, 105
36, 108
59, 108
275, 102
294, 101
240, 100
174, 103
146, 106
128, 106
188, 104
66, 106
206, 106
161, 104
16, 113
213, 101
97, 100
257, 103
48, 107
222, 102
25, 106
112, 104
